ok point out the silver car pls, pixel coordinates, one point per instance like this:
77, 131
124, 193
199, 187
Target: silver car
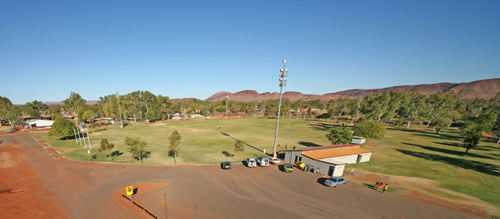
251, 162
274, 160
263, 161
335, 181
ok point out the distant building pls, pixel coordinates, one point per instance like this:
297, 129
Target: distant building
39, 124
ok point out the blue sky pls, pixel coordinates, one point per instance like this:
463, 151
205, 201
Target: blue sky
198, 48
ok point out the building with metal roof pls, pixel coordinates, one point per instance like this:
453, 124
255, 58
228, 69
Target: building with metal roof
330, 160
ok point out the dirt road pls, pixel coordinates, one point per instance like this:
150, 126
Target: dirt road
86, 191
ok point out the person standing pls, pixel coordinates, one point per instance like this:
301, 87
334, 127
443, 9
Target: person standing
385, 187
376, 185
264, 151
286, 146
380, 186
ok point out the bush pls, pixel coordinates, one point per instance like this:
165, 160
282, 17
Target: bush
340, 135
369, 129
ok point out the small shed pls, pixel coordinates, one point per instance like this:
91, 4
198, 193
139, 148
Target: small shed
358, 140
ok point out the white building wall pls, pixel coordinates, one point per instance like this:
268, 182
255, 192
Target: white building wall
365, 157
324, 168
339, 170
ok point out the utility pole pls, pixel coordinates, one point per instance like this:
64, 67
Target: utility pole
282, 82
119, 110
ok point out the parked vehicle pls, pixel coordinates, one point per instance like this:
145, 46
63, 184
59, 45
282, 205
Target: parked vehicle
300, 165
288, 167
263, 161
226, 165
251, 162
335, 181
274, 160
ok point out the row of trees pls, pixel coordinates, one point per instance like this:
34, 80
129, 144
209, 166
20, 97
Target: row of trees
439, 110
143, 105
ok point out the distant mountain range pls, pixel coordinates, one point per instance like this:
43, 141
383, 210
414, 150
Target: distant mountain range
485, 89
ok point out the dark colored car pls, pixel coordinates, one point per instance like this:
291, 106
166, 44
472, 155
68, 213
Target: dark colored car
226, 165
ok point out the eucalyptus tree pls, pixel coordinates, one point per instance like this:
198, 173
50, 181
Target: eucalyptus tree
74, 103
444, 108
413, 107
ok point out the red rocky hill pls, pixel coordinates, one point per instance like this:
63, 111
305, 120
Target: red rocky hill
485, 89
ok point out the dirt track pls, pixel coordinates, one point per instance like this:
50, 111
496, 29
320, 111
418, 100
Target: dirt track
86, 191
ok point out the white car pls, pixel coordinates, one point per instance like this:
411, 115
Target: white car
274, 160
263, 161
251, 162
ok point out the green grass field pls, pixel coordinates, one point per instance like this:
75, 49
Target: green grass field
424, 154
202, 141
415, 152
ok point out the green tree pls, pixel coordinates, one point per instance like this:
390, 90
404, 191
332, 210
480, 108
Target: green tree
5, 107
174, 140
106, 146
74, 102
239, 147
55, 112
62, 128
13, 115
324, 116
445, 104
441, 123
472, 135
340, 135
137, 147
369, 129
88, 116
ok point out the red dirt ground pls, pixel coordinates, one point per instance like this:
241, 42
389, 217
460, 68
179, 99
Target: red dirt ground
23, 193
366, 177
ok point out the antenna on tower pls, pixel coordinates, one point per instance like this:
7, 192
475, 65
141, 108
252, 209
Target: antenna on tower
494, 74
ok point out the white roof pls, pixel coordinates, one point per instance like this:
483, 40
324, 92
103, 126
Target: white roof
40, 122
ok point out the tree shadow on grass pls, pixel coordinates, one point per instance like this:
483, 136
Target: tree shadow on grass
227, 154
453, 144
412, 130
225, 134
322, 126
448, 151
116, 153
439, 136
462, 163
308, 144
